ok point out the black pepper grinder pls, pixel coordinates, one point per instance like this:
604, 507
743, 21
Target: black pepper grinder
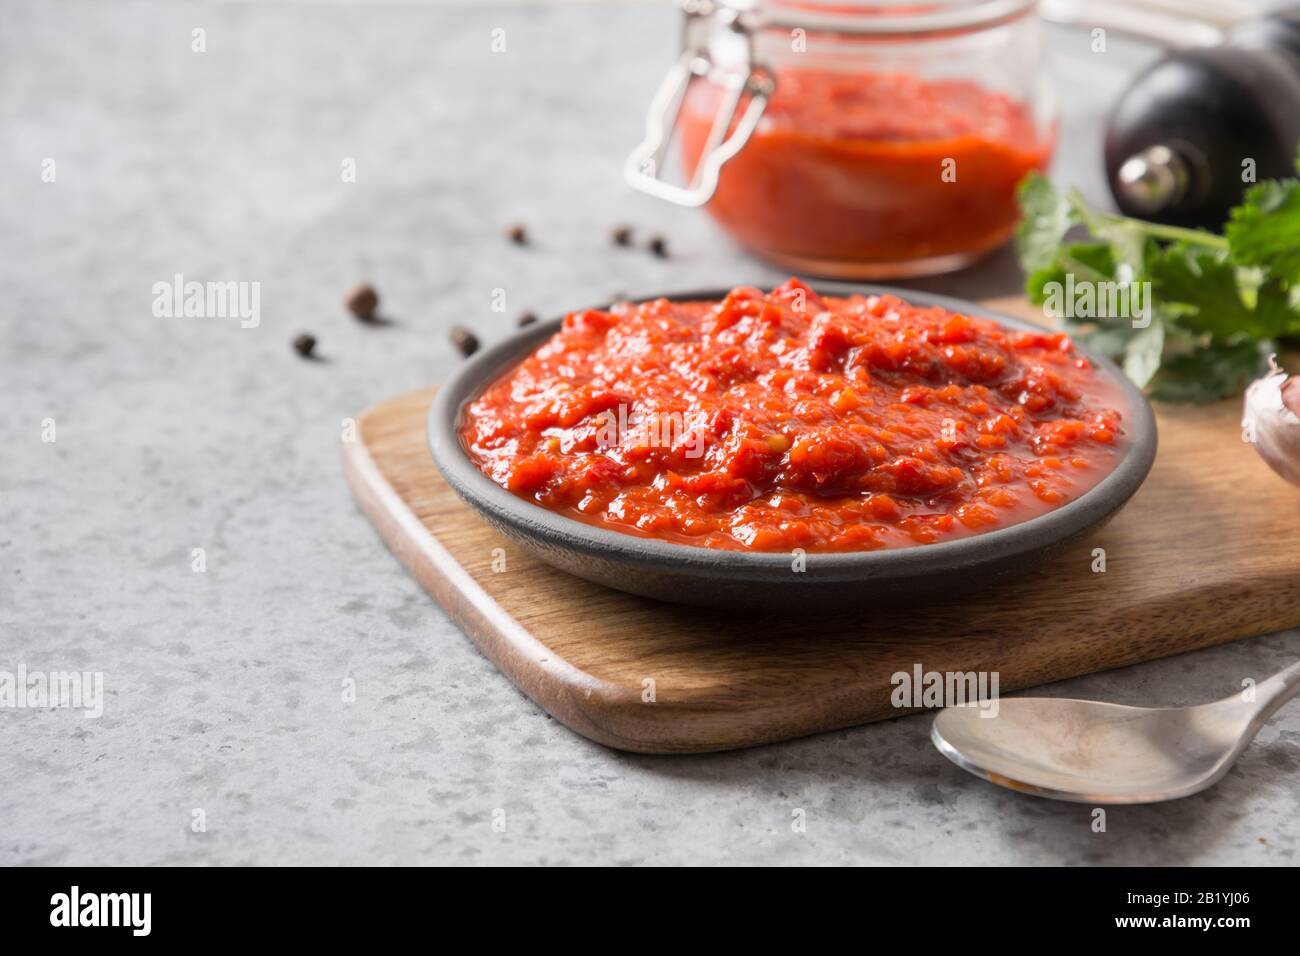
1197, 127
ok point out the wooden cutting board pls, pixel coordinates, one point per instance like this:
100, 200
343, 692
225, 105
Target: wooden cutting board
1208, 551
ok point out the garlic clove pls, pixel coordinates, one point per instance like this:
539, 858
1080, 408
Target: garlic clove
1271, 421
1291, 394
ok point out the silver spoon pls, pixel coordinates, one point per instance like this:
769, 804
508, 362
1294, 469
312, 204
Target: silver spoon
1090, 752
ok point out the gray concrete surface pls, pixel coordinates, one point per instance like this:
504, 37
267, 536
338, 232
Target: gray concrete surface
224, 688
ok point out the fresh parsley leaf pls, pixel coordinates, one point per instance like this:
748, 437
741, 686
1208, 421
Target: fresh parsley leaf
1143, 351
1127, 239
1202, 285
1092, 261
1111, 340
1209, 373
1265, 229
1046, 217
1208, 294
1217, 303
1277, 312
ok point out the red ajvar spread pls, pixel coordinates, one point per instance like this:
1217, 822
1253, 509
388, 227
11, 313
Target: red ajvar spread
769, 422
851, 167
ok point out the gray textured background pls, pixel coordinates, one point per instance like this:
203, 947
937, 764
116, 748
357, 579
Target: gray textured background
224, 687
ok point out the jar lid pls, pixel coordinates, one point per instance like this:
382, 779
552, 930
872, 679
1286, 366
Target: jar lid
865, 17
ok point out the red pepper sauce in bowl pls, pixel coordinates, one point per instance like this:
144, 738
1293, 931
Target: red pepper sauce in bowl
769, 422
855, 174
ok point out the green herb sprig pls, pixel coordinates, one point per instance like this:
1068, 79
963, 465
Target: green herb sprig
1218, 304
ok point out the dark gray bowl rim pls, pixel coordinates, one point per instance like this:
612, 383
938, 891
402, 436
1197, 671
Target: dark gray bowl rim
1060, 524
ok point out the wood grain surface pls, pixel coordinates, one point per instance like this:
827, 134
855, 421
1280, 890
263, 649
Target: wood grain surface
1208, 551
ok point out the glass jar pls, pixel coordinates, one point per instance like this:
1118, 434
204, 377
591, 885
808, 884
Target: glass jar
854, 139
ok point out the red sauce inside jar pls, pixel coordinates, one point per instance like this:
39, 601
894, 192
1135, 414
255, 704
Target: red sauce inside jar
848, 169
769, 422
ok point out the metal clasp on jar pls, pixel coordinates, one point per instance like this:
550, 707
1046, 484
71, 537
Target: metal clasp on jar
704, 21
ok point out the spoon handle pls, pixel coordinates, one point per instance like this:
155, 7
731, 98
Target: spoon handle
1272, 693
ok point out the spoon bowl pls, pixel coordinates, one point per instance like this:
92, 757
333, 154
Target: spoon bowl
1093, 752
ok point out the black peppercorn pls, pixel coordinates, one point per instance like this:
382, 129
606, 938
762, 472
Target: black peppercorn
362, 301
659, 246
517, 234
464, 339
305, 345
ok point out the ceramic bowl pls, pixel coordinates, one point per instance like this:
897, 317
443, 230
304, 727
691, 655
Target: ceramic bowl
767, 581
